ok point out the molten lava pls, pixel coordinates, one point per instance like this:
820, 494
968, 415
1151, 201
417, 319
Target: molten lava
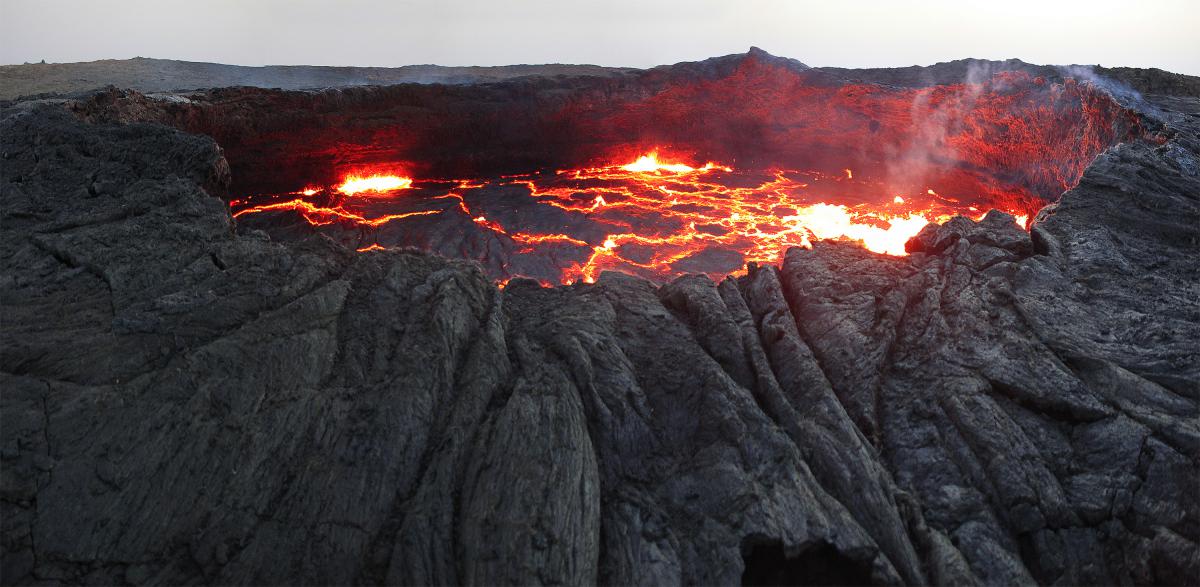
373, 184
650, 217
649, 163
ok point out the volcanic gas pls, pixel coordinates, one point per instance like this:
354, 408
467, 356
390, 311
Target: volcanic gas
696, 169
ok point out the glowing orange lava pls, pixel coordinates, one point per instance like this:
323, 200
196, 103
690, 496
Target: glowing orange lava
649, 163
650, 217
377, 184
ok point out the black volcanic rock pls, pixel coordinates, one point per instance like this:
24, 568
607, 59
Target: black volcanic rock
187, 401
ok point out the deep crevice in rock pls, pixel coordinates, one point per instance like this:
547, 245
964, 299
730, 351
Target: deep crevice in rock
819, 565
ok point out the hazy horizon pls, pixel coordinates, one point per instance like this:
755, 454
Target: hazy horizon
621, 33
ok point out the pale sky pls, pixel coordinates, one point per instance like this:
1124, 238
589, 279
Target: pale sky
847, 33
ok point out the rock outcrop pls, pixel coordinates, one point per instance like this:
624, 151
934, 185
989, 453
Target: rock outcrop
187, 402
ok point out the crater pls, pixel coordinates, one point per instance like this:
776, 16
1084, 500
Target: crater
697, 167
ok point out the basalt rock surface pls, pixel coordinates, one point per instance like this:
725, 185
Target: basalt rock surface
185, 401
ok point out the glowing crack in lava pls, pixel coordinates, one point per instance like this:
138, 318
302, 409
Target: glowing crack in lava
652, 217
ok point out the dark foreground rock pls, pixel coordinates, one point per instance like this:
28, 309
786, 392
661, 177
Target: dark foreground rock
184, 402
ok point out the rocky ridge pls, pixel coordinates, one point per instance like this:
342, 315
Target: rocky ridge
170, 75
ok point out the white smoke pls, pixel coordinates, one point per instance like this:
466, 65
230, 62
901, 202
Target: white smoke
1125, 95
928, 148
1121, 92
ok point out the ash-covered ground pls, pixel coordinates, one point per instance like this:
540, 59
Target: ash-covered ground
190, 400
